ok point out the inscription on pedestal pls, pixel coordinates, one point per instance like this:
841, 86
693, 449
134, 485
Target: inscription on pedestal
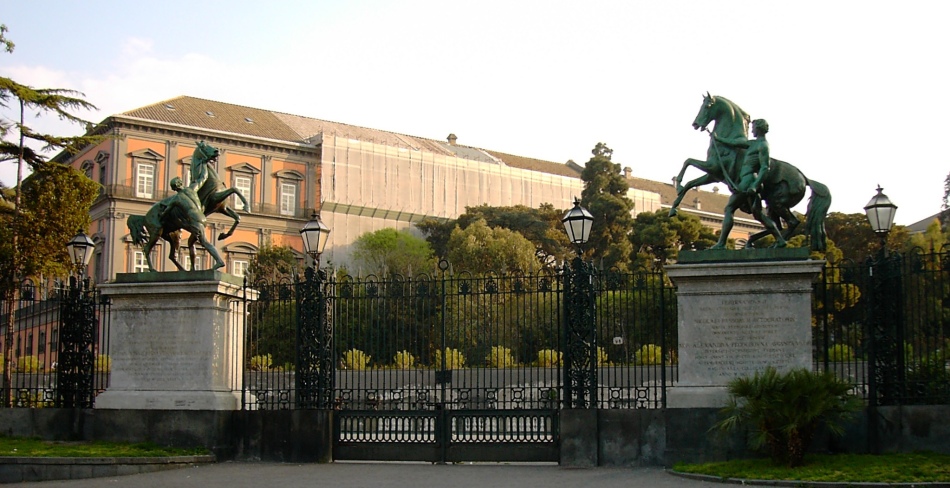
740, 336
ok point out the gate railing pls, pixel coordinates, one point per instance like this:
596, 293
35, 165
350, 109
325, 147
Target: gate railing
60, 348
884, 324
457, 341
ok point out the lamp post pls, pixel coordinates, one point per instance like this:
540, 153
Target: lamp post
77, 331
880, 212
315, 236
579, 342
315, 361
886, 338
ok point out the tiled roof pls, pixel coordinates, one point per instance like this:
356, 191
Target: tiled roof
535, 164
218, 116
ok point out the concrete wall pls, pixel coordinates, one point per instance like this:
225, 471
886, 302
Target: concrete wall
627, 438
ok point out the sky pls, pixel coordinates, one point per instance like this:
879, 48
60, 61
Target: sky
854, 92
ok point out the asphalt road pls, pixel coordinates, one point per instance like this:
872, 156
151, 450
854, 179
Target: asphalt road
389, 475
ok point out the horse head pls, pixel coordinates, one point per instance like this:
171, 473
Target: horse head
204, 152
706, 113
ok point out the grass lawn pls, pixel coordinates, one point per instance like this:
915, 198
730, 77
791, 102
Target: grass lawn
886, 468
14, 446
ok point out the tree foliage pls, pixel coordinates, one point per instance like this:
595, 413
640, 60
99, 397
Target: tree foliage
273, 263
391, 251
541, 226
657, 237
605, 197
479, 248
56, 201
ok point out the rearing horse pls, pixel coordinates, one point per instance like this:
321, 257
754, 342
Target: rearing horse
214, 201
782, 188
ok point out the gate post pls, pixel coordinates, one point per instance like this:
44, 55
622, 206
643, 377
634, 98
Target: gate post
580, 336
315, 365
76, 358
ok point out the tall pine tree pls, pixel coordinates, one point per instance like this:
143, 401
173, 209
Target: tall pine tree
605, 197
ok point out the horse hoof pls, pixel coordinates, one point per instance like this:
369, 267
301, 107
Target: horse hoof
222, 236
673, 212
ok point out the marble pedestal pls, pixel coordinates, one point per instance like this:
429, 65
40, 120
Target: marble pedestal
176, 340
736, 318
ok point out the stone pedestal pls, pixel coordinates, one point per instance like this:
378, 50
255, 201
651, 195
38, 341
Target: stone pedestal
735, 318
176, 341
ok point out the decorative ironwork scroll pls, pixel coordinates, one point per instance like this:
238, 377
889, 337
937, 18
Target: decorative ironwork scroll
315, 362
580, 336
77, 338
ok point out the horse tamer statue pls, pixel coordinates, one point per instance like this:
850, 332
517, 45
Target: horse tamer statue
187, 210
755, 179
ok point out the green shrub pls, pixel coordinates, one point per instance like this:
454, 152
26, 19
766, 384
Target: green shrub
649, 354
453, 359
783, 411
602, 357
261, 362
28, 364
500, 357
103, 363
549, 358
404, 360
355, 359
840, 352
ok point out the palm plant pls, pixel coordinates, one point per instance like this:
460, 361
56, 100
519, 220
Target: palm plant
783, 411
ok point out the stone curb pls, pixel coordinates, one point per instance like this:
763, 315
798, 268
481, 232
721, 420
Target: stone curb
805, 484
19, 469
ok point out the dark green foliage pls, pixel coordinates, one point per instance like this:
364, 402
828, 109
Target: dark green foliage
605, 196
273, 264
782, 411
55, 204
541, 226
657, 238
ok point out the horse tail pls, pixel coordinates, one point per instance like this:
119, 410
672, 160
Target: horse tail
137, 229
818, 206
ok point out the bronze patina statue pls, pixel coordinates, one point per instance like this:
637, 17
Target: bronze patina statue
753, 177
186, 210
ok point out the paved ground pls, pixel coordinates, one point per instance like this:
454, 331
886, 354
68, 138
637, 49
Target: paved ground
353, 475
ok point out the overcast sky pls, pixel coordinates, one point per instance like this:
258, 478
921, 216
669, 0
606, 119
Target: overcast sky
855, 92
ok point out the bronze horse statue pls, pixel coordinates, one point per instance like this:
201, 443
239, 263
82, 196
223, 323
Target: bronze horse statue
159, 222
782, 188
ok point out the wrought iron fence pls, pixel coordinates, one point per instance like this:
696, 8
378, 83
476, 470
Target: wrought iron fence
459, 341
884, 324
60, 348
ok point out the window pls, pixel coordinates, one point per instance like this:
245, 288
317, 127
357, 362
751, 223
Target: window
145, 163
288, 182
239, 267
42, 344
288, 198
29, 344
243, 185
102, 159
139, 265
54, 340
144, 180
186, 260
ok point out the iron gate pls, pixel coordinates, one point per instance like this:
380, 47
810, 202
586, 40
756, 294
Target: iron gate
457, 367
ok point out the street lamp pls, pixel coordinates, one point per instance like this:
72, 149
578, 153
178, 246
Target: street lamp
76, 355
577, 223
315, 236
579, 341
80, 251
880, 212
315, 366
885, 360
